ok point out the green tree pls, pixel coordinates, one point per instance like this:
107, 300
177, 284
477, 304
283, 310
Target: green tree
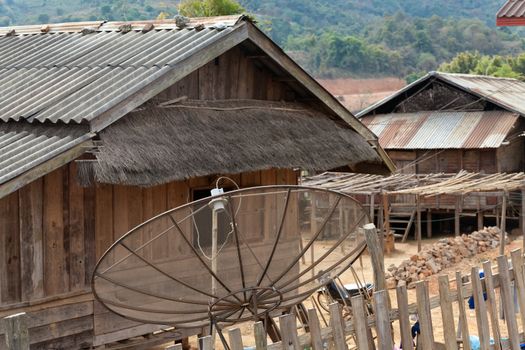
208, 8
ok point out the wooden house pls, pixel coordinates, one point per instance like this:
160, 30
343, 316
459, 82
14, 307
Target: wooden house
444, 123
103, 125
512, 13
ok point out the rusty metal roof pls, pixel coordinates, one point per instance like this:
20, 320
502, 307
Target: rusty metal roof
512, 9
506, 93
441, 130
75, 72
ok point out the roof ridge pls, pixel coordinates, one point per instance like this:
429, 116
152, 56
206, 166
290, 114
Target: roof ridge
466, 75
144, 25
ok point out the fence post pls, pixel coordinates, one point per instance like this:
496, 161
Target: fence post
519, 280
205, 343
16, 332
376, 255
359, 321
425, 319
260, 336
315, 330
447, 313
382, 316
492, 304
289, 332
508, 302
462, 312
481, 310
235, 339
336, 322
404, 317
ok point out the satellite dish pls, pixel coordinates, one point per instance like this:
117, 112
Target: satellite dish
236, 256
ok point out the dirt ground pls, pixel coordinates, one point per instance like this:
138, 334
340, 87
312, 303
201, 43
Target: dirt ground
402, 252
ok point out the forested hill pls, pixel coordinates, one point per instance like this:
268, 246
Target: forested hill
328, 37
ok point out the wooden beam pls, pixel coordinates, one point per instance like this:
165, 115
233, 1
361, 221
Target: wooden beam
178, 71
522, 216
44, 168
504, 199
457, 211
16, 332
418, 222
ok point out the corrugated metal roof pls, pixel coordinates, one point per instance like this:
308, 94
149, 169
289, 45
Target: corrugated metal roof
65, 75
22, 147
441, 130
507, 93
512, 9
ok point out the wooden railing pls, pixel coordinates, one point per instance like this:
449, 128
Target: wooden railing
500, 292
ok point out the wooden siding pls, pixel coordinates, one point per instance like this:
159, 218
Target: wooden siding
52, 231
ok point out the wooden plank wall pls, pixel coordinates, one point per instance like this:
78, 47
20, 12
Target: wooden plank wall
52, 231
233, 75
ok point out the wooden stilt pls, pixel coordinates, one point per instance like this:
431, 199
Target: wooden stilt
386, 213
429, 223
522, 215
503, 223
418, 223
457, 216
372, 207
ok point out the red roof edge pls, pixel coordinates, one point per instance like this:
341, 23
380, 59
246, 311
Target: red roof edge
506, 21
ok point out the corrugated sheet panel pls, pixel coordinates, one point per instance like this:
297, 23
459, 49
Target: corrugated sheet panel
65, 75
512, 9
22, 147
442, 130
507, 92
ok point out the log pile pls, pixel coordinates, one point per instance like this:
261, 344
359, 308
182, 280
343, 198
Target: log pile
442, 254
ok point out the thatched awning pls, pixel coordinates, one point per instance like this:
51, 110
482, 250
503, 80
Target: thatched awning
156, 145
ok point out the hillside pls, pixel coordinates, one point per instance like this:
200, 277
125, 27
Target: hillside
330, 38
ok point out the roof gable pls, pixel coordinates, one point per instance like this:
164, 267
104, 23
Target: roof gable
505, 93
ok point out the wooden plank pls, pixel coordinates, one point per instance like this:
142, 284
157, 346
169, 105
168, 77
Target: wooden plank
89, 233
235, 339
481, 310
315, 330
260, 336
289, 332
16, 333
77, 266
336, 322
519, 281
82, 340
462, 312
140, 329
447, 313
508, 302
426, 337
44, 168
55, 271
9, 249
360, 323
31, 243
61, 329
382, 317
492, 303
174, 347
103, 218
